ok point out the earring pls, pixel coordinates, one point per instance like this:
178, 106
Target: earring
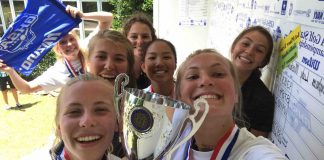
110, 148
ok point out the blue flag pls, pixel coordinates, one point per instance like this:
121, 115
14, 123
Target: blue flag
33, 33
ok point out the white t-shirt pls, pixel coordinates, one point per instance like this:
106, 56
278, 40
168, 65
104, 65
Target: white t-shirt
56, 76
246, 147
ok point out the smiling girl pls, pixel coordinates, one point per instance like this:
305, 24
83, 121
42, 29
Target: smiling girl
207, 74
139, 31
70, 61
251, 51
159, 64
85, 126
110, 53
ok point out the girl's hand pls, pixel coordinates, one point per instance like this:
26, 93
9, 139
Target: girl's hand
4, 67
74, 12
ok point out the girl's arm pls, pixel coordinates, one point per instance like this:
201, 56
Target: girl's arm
104, 19
20, 84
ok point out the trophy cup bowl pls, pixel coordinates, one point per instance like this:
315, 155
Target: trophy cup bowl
154, 126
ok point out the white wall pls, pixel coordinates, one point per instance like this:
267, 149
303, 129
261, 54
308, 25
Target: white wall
186, 39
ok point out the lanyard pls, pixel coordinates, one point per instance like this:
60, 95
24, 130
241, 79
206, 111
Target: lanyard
65, 156
72, 70
221, 143
228, 149
151, 89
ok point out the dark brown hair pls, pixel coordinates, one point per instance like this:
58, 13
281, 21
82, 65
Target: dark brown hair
160, 40
141, 18
264, 32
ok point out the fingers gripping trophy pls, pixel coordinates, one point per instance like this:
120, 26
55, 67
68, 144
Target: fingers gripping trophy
154, 126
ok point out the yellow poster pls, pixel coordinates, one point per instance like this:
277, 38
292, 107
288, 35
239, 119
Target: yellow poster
288, 49
293, 37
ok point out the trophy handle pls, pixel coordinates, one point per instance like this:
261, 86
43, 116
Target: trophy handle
195, 124
120, 82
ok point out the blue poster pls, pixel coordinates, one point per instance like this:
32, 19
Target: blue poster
33, 33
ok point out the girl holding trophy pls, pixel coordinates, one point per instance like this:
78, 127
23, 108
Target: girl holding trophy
207, 74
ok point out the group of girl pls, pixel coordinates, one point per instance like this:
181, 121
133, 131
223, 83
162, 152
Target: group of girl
86, 127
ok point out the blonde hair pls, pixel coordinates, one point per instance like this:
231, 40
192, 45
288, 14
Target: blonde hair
56, 47
80, 78
238, 116
118, 39
82, 53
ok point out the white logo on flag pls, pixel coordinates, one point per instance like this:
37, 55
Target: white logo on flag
21, 36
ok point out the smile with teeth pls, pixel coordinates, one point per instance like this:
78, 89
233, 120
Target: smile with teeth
69, 50
88, 139
108, 76
245, 59
160, 72
210, 96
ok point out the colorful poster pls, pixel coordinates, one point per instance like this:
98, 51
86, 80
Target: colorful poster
288, 50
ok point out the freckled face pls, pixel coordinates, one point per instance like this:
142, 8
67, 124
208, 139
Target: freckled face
86, 125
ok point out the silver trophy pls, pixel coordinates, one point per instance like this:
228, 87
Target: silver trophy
154, 126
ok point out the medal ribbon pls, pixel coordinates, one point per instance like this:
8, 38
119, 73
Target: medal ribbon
221, 143
71, 69
65, 156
